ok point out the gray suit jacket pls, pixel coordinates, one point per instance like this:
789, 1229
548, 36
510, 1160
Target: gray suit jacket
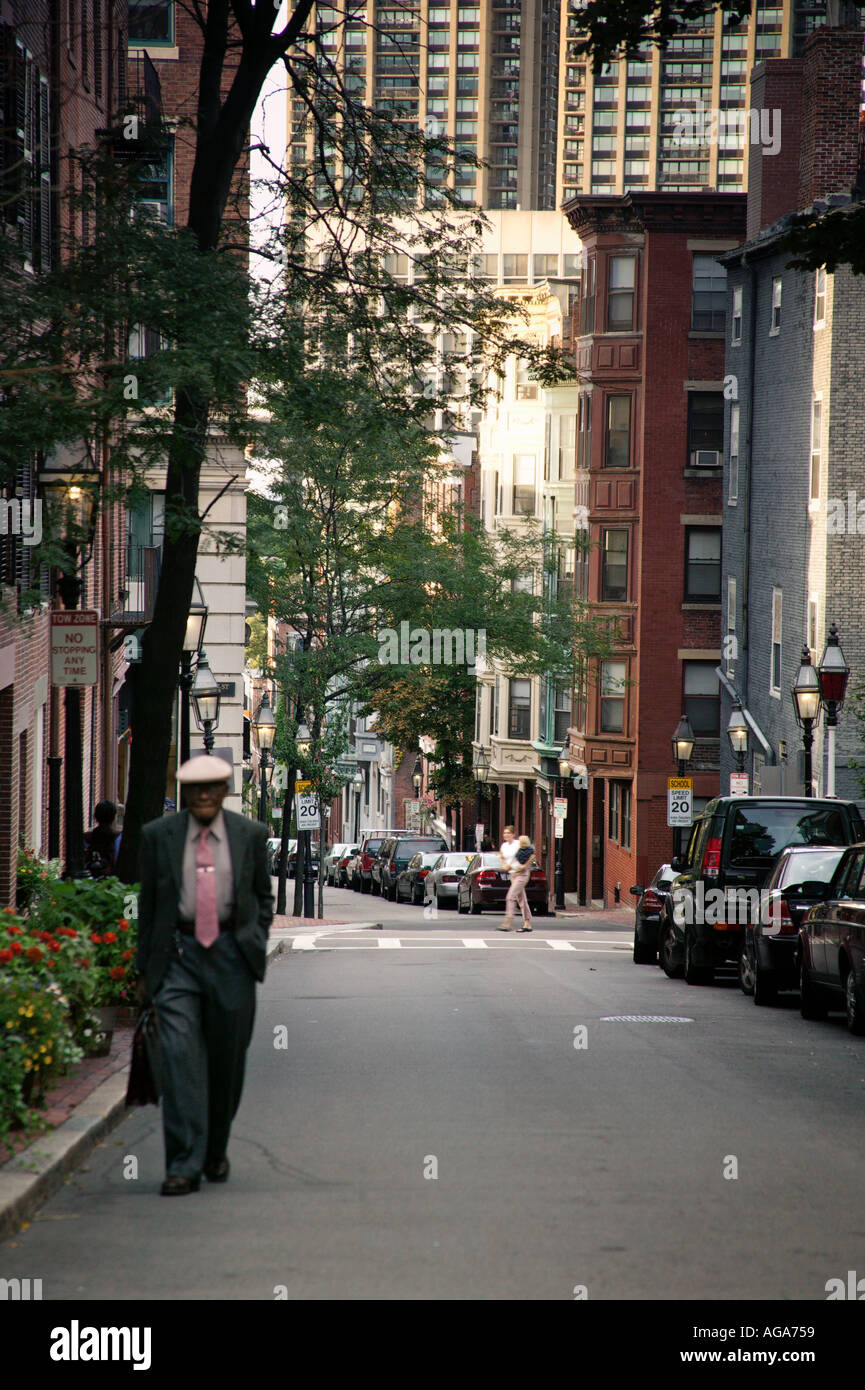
161, 872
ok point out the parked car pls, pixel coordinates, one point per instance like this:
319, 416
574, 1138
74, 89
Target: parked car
649, 914
395, 854
485, 884
292, 860
770, 955
352, 871
440, 884
369, 849
331, 859
410, 879
733, 847
345, 859
832, 946
273, 844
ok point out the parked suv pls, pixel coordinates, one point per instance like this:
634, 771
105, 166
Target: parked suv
394, 856
832, 946
369, 849
733, 846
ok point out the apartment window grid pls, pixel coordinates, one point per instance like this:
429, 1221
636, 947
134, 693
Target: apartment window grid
619, 818
775, 314
705, 429
730, 644
709, 294
519, 708
820, 297
621, 272
702, 697
614, 565
524, 485
617, 444
612, 696
775, 660
736, 318
151, 22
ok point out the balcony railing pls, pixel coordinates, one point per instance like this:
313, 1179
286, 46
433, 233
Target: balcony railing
143, 563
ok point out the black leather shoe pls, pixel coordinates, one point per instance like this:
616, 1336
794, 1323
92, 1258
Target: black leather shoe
178, 1187
219, 1171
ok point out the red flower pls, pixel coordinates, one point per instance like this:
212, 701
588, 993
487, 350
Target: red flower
118, 972
51, 964
123, 924
9, 909
16, 948
109, 938
34, 954
95, 937
55, 945
5, 957
85, 962
15, 931
127, 955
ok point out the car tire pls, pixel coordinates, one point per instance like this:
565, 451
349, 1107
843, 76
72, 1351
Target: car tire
417, 898
695, 974
365, 885
765, 987
854, 999
746, 973
812, 1000
477, 909
670, 966
643, 953
460, 909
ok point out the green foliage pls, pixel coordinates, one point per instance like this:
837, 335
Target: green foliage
611, 25
36, 1044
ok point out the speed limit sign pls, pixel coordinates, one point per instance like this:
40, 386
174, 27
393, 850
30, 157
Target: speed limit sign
306, 807
679, 801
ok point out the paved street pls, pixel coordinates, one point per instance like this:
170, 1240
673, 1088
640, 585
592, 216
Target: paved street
556, 1166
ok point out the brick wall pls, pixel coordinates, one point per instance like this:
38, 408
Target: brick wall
829, 154
776, 86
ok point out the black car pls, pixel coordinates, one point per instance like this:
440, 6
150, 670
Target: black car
770, 955
485, 884
410, 879
395, 855
649, 914
731, 853
832, 946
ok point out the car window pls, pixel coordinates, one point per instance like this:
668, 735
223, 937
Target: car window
852, 885
800, 868
699, 836
759, 833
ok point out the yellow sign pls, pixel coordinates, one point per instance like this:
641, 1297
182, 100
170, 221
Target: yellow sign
678, 784
303, 786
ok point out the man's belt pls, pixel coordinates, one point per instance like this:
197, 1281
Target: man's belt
188, 928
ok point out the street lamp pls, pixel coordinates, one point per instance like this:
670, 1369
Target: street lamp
834, 675
357, 781
482, 772
737, 733
806, 695
71, 493
683, 747
561, 790
265, 732
196, 620
205, 700
303, 740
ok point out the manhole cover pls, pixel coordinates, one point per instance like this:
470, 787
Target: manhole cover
645, 1018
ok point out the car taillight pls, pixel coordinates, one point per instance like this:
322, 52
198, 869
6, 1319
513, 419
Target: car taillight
711, 859
784, 923
651, 901
488, 876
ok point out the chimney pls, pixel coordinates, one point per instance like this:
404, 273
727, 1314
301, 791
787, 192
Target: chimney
831, 87
773, 141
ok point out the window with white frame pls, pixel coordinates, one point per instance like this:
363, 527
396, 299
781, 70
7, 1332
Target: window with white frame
775, 671
733, 482
730, 645
812, 625
736, 320
524, 485
816, 449
820, 297
775, 316
613, 676
519, 708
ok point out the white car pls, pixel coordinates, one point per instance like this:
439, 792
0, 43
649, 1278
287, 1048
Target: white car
443, 878
331, 860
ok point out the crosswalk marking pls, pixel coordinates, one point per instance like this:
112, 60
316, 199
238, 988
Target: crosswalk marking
561, 945
389, 941
423, 943
473, 941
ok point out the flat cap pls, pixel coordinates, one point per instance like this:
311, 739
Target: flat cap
204, 768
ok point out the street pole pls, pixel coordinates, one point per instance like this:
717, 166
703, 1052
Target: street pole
560, 862
69, 586
262, 798
308, 877
185, 688
808, 743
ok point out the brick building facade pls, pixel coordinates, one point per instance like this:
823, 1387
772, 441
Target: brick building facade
649, 451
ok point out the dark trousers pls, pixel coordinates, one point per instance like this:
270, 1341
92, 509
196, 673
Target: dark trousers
206, 1010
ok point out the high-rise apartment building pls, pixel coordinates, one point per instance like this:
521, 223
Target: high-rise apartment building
500, 78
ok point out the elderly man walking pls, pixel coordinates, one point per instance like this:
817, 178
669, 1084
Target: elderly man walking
205, 910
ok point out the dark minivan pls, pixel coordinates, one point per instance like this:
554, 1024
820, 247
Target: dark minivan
734, 844
395, 855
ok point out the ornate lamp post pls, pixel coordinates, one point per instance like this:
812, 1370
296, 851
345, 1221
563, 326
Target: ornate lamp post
303, 739
192, 639
205, 701
482, 772
265, 732
71, 494
834, 675
561, 790
737, 733
683, 747
807, 697
358, 781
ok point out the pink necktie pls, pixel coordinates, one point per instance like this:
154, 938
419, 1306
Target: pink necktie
206, 915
